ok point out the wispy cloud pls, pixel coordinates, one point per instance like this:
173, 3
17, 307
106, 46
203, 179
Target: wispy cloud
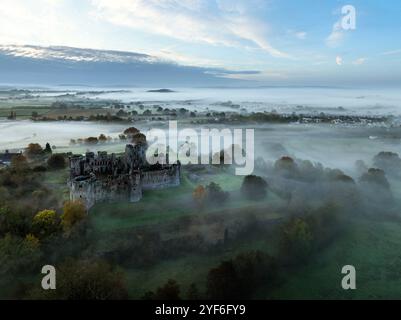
171, 54
301, 35
359, 61
336, 36
216, 23
392, 52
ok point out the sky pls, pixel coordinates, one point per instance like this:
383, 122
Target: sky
286, 41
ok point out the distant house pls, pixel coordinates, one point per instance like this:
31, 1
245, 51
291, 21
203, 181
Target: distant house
6, 157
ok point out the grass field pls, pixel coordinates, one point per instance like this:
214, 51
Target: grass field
161, 206
373, 248
369, 244
186, 270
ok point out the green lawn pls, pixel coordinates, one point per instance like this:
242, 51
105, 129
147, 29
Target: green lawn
158, 206
372, 247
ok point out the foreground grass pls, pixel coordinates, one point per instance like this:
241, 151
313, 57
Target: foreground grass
158, 206
371, 246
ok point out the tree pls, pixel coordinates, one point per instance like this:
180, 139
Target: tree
131, 131
296, 238
45, 223
19, 163
32, 241
287, 167
56, 161
102, 138
48, 149
34, 149
73, 213
215, 193
91, 140
193, 292
223, 282
13, 221
170, 291
238, 278
254, 187
138, 138
86, 280
375, 177
199, 195
388, 161
18, 255
254, 268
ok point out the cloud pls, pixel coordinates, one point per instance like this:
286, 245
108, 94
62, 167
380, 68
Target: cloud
392, 52
301, 35
220, 23
170, 54
336, 36
359, 61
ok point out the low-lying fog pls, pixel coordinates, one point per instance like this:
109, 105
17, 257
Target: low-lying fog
333, 146
299, 99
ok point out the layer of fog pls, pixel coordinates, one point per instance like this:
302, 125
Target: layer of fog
385, 101
333, 146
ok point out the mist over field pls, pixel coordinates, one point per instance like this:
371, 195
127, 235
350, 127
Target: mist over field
94, 205
335, 145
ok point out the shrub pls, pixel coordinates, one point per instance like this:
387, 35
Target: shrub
56, 161
254, 187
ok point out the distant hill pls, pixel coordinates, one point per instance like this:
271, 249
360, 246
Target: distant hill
161, 90
36, 65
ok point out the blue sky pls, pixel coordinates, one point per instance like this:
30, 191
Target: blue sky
286, 41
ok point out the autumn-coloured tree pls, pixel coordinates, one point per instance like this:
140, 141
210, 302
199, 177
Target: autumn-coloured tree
73, 213
91, 140
199, 195
45, 223
19, 162
138, 138
32, 241
34, 149
131, 131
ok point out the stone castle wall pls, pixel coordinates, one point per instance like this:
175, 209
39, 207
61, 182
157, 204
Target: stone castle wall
111, 178
164, 178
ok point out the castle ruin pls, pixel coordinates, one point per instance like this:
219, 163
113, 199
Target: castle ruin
106, 177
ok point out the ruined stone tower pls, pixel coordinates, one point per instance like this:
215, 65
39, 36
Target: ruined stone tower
113, 178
